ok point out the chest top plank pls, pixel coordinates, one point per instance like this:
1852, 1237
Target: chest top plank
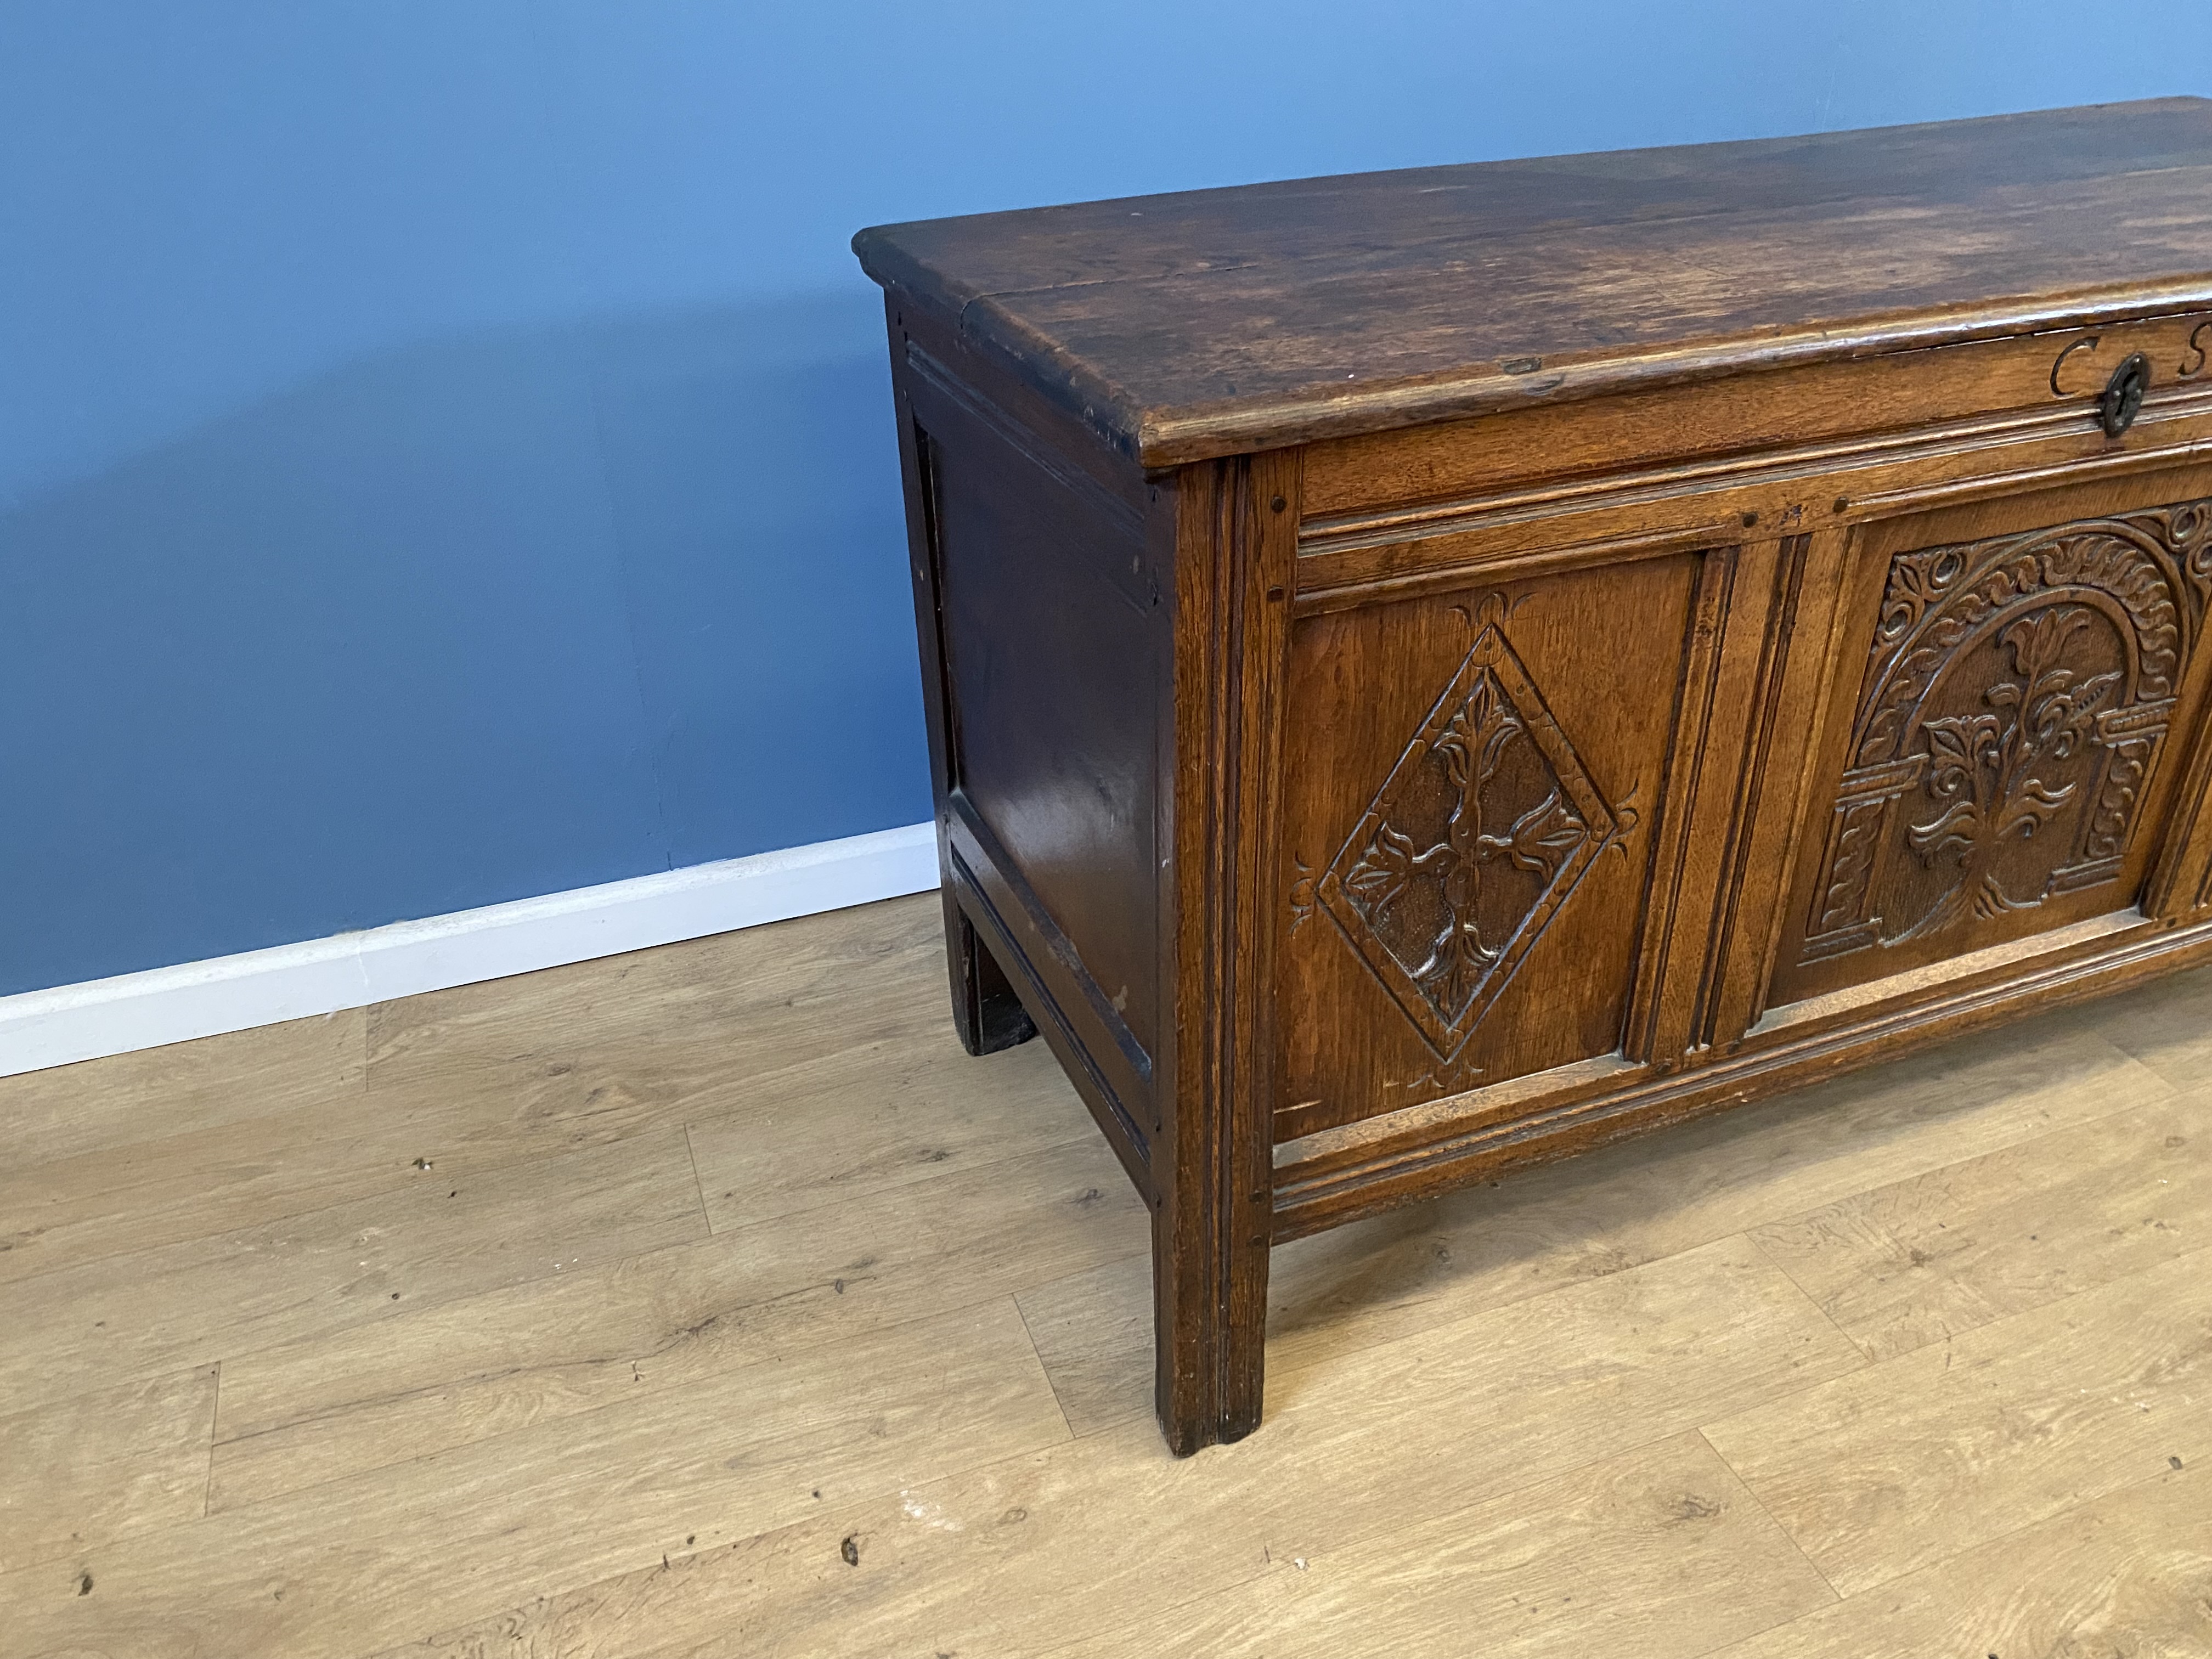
1213, 322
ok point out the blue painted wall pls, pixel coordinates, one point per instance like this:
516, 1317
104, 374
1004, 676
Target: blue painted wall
444, 450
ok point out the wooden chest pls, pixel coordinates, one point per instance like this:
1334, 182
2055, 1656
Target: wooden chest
1429, 672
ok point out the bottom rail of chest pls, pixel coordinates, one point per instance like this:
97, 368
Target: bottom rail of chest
1335, 1176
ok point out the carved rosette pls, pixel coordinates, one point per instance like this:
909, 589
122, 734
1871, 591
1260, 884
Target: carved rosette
2011, 716
1480, 834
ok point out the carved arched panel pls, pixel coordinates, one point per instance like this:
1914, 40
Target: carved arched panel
2012, 713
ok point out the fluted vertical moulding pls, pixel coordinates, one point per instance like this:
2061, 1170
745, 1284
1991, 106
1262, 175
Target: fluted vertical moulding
1236, 554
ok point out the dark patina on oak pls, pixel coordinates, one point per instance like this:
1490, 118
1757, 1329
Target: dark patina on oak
1430, 671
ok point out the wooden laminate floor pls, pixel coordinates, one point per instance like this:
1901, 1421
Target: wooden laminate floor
709, 1302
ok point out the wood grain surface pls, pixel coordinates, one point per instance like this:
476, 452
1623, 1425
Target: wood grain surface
1909, 1364
1209, 322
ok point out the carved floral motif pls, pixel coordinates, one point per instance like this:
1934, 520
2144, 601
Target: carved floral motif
1994, 775
2014, 704
1482, 829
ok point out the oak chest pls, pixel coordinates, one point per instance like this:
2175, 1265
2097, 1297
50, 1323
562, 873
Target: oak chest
1428, 671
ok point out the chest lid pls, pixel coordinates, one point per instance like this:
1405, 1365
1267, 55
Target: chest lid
1214, 322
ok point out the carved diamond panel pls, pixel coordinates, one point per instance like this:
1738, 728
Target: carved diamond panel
1478, 834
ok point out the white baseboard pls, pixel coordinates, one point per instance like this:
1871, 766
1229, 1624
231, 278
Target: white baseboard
146, 1009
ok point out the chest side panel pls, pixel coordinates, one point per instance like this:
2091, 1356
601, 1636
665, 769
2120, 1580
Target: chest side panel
1051, 636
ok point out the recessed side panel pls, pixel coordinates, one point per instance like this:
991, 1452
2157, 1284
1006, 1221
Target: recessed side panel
1472, 781
2028, 672
1050, 631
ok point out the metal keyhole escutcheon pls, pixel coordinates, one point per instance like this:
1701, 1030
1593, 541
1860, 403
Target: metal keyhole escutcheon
2124, 394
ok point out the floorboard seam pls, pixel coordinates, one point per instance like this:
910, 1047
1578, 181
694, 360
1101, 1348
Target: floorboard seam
1760, 1504
621, 1401
1811, 1301
698, 1186
1876, 1588
214, 1431
2172, 1095
1037, 1353
1980, 1543
1213, 1593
